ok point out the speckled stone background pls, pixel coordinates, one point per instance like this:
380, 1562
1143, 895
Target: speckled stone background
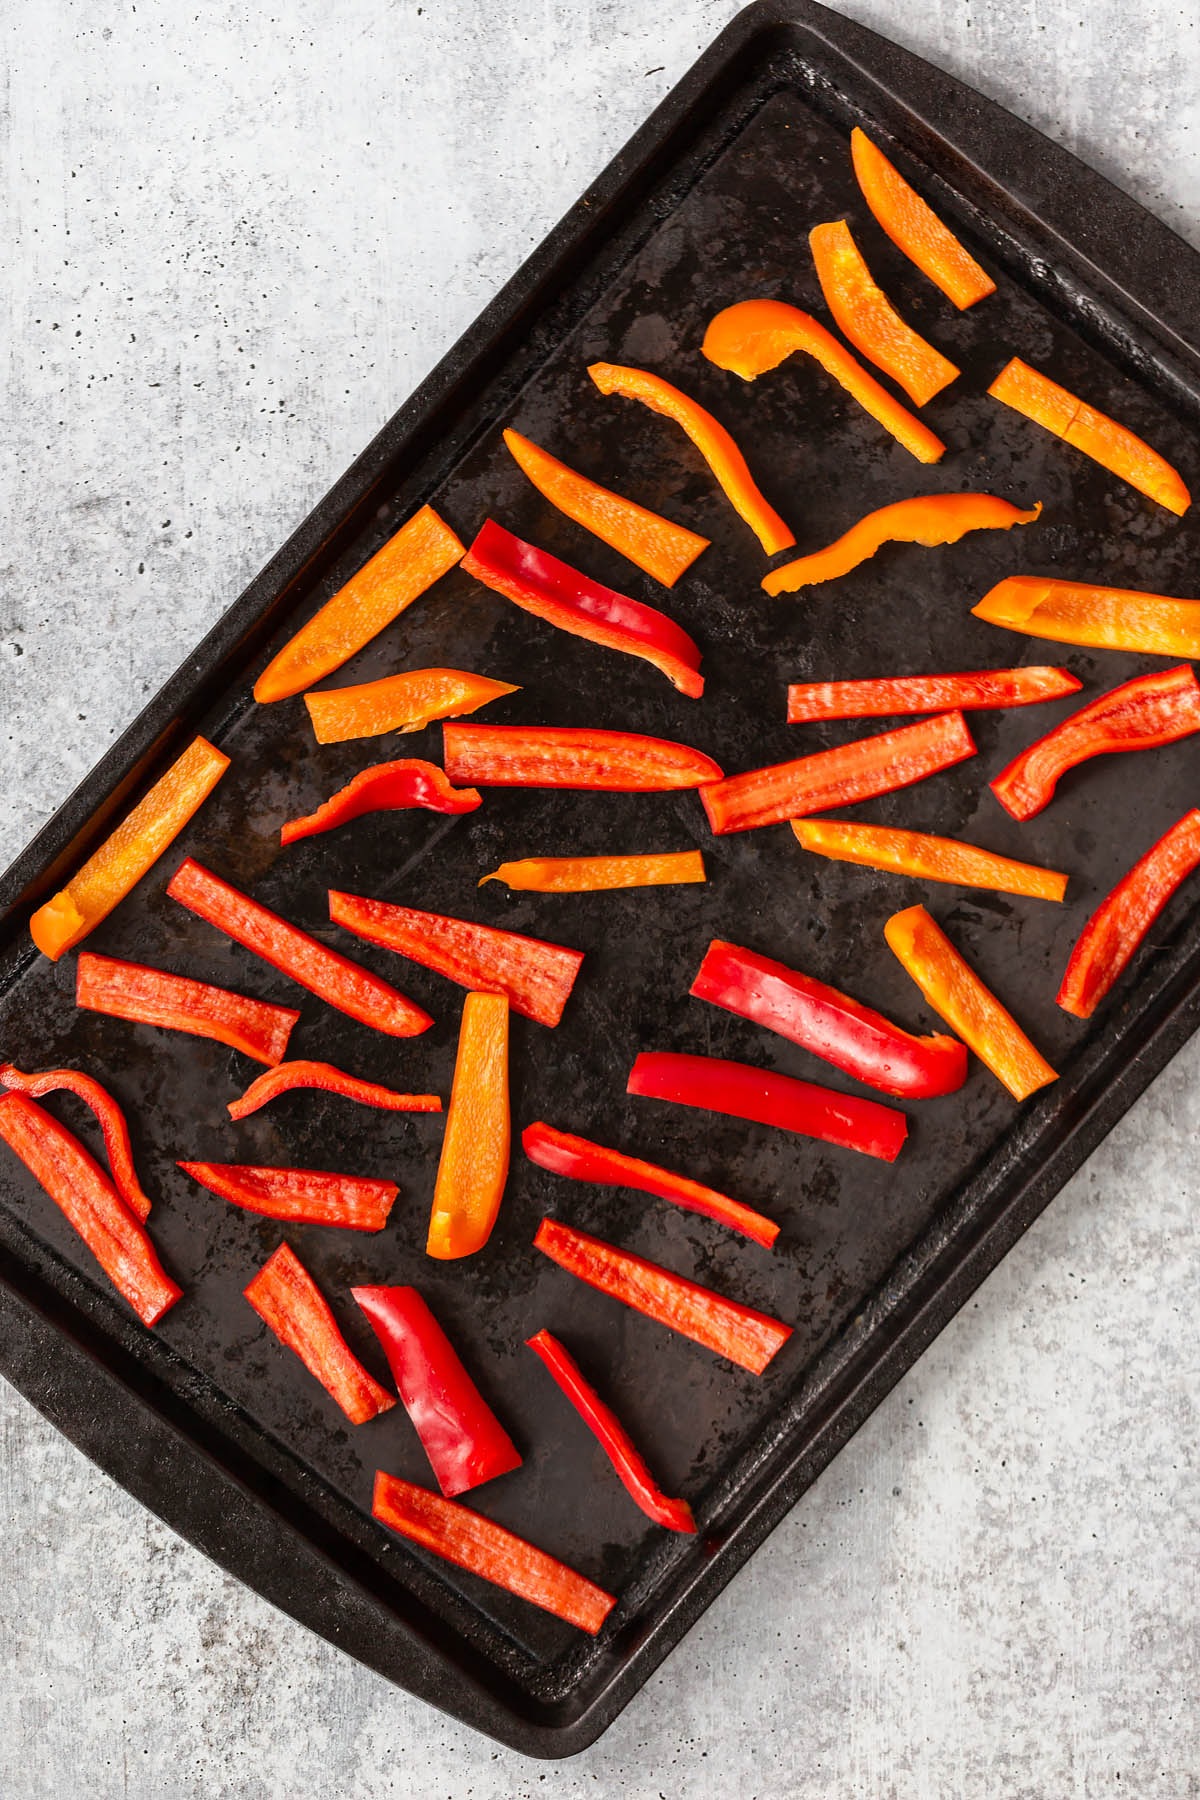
236, 237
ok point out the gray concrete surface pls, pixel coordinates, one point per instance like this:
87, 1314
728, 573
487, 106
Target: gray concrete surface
236, 237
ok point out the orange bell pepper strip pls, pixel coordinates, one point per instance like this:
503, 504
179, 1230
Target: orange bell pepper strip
979, 690
289, 1302
915, 228
420, 553
957, 995
927, 858
661, 548
475, 1149
864, 314
1085, 428
133, 848
928, 519
1103, 618
757, 335
400, 703
711, 440
590, 874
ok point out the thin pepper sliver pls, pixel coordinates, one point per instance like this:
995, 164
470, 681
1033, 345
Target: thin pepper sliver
926, 857
915, 228
928, 519
884, 697
323, 1076
310, 1196
147, 996
473, 1169
406, 703
385, 787
570, 756
1103, 618
864, 314
289, 1302
111, 1119
591, 874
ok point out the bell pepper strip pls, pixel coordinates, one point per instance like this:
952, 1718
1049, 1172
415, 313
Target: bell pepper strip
536, 976
1103, 618
552, 590
580, 1159
715, 1085
864, 314
322, 1075
458, 1535
711, 440
310, 1196
838, 777
661, 548
741, 1334
109, 1116
420, 553
132, 849
567, 756
927, 858
385, 787
590, 874
405, 703
756, 335
288, 1300
611, 1435
475, 1149
980, 691
822, 1019
915, 228
1085, 428
1125, 915
147, 996
928, 519
956, 994
90, 1203
1142, 714
333, 978
460, 1434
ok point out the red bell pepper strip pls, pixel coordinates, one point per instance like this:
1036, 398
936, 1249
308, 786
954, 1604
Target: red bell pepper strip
1142, 714
850, 1036
915, 228
565, 756
126, 990
928, 858
746, 1337
715, 1085
311, 1196
89, 1201
611, 1435
1106, 618
288, 1300
386, 787
460, 1434
981, 690
473, 1167
855, 771
333, 978
402, 703
451, 1530
1125, 915
323, 1075
552, 590
581, 1160
111, 1120
928, 519
864, 314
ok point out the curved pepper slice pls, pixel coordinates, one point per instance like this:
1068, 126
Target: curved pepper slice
90, 1203
1142, 714
420, 553
323, 1075
288, 1300
715, 1085
866, 316
126, 990
756, 335
333, 978
567, 756
581, 1160
611, 1435
473, 1169
928, 519
980, 690
589, 874
451, 1530
111, 1120
1125, 915
711, 440
838, 777
1104, 618
926, 857
133, 848
656, 545
312, 1196
1085, 428
915, 228
399, 703
385, 787
829, 1023
956, 994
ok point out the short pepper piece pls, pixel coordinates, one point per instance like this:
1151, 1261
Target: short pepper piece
385, 787
404, 703
915, 228
310, 1196
866, 316
289, 1302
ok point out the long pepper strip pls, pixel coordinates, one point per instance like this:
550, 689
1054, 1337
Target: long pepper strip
1085, 428
711, 440
565, 756
1124, 916
864, 314
310, 1195
124, 857
956, 994
475, 1149
387, 787
600, 1419
1142, 714
399, 703
335, 979
589, 874
109, 1116
928, 519
915, 228
981, 690
288, 1300
746, 1337
928, 858
126, 990
1104, 618
323, 1076
838, 777
420, 553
